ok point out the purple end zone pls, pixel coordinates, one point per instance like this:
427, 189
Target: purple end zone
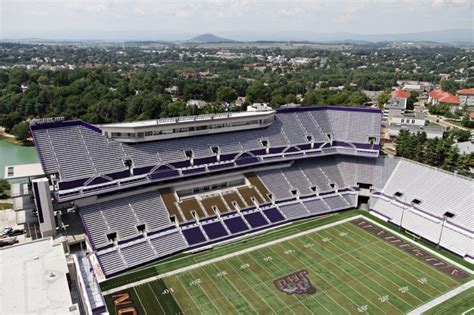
194, 236
214, 230
256, 219
236, 225
274, 215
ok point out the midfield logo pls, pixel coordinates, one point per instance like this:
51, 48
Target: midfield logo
295, 283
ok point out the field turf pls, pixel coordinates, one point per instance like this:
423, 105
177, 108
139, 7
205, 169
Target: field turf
352, 270
461, 304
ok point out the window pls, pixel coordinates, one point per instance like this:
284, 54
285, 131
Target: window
416, 201
141, 228
215, 150
148, 133
413, 121
449, 215
398, 194
112, 237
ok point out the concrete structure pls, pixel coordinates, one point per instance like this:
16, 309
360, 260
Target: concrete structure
35, 279
466, 97
394, 107
431, 132
438, 97
44, 206
412, 119
466, 147
196, 103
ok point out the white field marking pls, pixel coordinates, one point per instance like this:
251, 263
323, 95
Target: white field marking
247, 284
199, 286
468, 311
433, 278
443, 298
139, 300
419, 245
378, 283
388, 279
410, 274
353, 279
240, 252
153, 292
183, 284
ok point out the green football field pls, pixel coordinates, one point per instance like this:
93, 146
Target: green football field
341, 269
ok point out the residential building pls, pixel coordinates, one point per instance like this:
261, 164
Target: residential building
466, 97
411, 119
439, 96
401, 94
196, 103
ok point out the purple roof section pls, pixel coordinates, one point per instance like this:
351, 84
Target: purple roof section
338, 108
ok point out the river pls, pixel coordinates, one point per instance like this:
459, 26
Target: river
11, 154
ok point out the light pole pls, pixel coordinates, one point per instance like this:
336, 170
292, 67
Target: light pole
446, 215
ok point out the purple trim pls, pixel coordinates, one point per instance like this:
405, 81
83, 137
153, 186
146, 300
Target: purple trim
66, 123
181, 164
206, 160
228, 157
255, 219
341, 144
259, 152
142, 170
194, 170
306, 146
274, 215
71, 184
338, 108
194, 236
220, 166
118, 175
292, 149
236, 225
245, 161
276, 150
215, 230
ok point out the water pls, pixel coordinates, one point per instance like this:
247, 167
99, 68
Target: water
11, 154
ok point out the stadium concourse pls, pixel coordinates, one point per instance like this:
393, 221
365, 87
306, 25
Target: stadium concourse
140, 201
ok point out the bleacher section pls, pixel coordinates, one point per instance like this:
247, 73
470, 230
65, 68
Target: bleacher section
79, 153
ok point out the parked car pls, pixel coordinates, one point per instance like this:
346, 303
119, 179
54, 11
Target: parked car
5, 232
16, 232
8, 241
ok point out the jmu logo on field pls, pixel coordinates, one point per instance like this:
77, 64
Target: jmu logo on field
295, 283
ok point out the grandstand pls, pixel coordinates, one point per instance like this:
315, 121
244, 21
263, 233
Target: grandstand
143, 201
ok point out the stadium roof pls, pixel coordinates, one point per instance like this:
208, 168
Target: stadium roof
34, 279
82, 156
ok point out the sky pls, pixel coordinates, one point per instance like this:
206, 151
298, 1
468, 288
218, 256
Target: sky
237, 19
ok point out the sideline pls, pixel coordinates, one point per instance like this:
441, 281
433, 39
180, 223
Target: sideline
243, 251
260, 246
442, 298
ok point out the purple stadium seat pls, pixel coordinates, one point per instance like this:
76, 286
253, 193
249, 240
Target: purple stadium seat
215, 230
256, 220
194, 236
236, 225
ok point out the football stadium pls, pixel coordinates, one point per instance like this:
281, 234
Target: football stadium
264, 211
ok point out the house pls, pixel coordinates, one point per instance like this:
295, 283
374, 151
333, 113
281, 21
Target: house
401, 94
412, 119
172, 89
240, 101
196, 103
466, 97
394, 107
439, 96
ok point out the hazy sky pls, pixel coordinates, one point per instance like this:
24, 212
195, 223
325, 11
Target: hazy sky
166, 19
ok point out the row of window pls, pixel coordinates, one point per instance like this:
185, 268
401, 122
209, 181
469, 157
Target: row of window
190, 129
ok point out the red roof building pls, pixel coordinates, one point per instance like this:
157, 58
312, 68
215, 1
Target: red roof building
442, 97
466, 92
398, 93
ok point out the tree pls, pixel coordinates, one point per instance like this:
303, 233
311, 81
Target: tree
258, 92
226, 94
21, 131
4, 189
383, 98
450, 86
175, 109
466, 122
412, 99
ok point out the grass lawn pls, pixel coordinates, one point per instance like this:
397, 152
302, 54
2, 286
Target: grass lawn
4, 206
460, 304
352, 270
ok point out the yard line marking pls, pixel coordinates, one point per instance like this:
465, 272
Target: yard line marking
420, 245
468, 311
243, 251
442, 298
139, 300
375, 271
192, 299
353, 279
425, 266
256, 292
153, 292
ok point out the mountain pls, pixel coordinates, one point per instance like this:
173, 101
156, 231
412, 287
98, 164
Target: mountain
209, 38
